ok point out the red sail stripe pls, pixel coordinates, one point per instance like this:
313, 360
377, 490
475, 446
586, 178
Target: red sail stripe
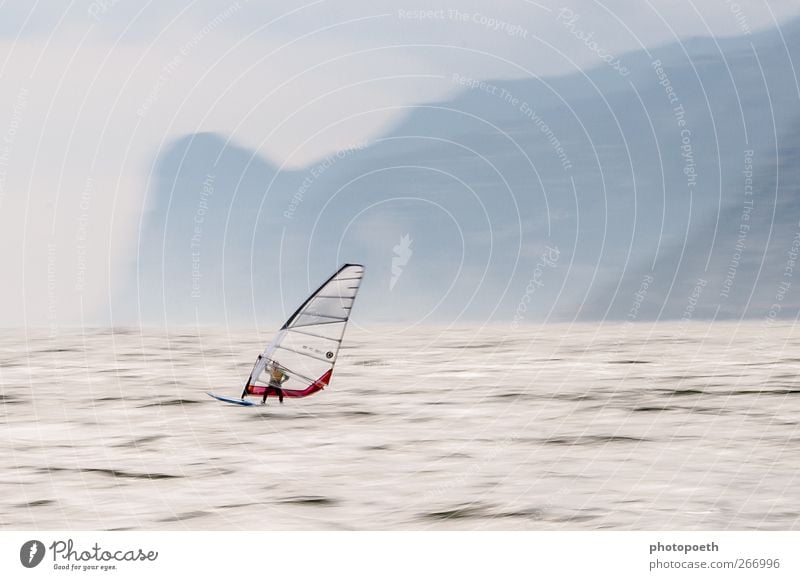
317, 385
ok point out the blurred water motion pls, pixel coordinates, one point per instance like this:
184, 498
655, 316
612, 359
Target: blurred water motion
662, 426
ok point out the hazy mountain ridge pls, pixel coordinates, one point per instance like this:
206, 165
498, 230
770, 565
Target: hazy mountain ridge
482, 185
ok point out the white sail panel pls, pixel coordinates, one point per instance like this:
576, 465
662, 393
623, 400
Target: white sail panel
306, 347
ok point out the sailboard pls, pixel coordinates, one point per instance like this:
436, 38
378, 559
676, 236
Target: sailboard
300, 359
224, 399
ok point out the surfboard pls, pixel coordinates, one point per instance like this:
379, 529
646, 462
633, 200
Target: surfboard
231, 400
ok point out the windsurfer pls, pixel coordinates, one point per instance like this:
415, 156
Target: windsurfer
276, 378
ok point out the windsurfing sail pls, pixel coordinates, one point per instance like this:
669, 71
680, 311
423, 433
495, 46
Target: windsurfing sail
301, 357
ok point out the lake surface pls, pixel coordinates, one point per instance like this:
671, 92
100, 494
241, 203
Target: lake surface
555, 427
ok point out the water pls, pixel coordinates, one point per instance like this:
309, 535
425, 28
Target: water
663, 426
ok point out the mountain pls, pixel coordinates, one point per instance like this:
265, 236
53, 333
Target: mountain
666, 192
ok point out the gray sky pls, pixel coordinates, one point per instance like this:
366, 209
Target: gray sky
93, 91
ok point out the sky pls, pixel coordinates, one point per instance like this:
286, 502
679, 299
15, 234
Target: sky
93, 92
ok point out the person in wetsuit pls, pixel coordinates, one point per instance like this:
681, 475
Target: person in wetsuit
276, 378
